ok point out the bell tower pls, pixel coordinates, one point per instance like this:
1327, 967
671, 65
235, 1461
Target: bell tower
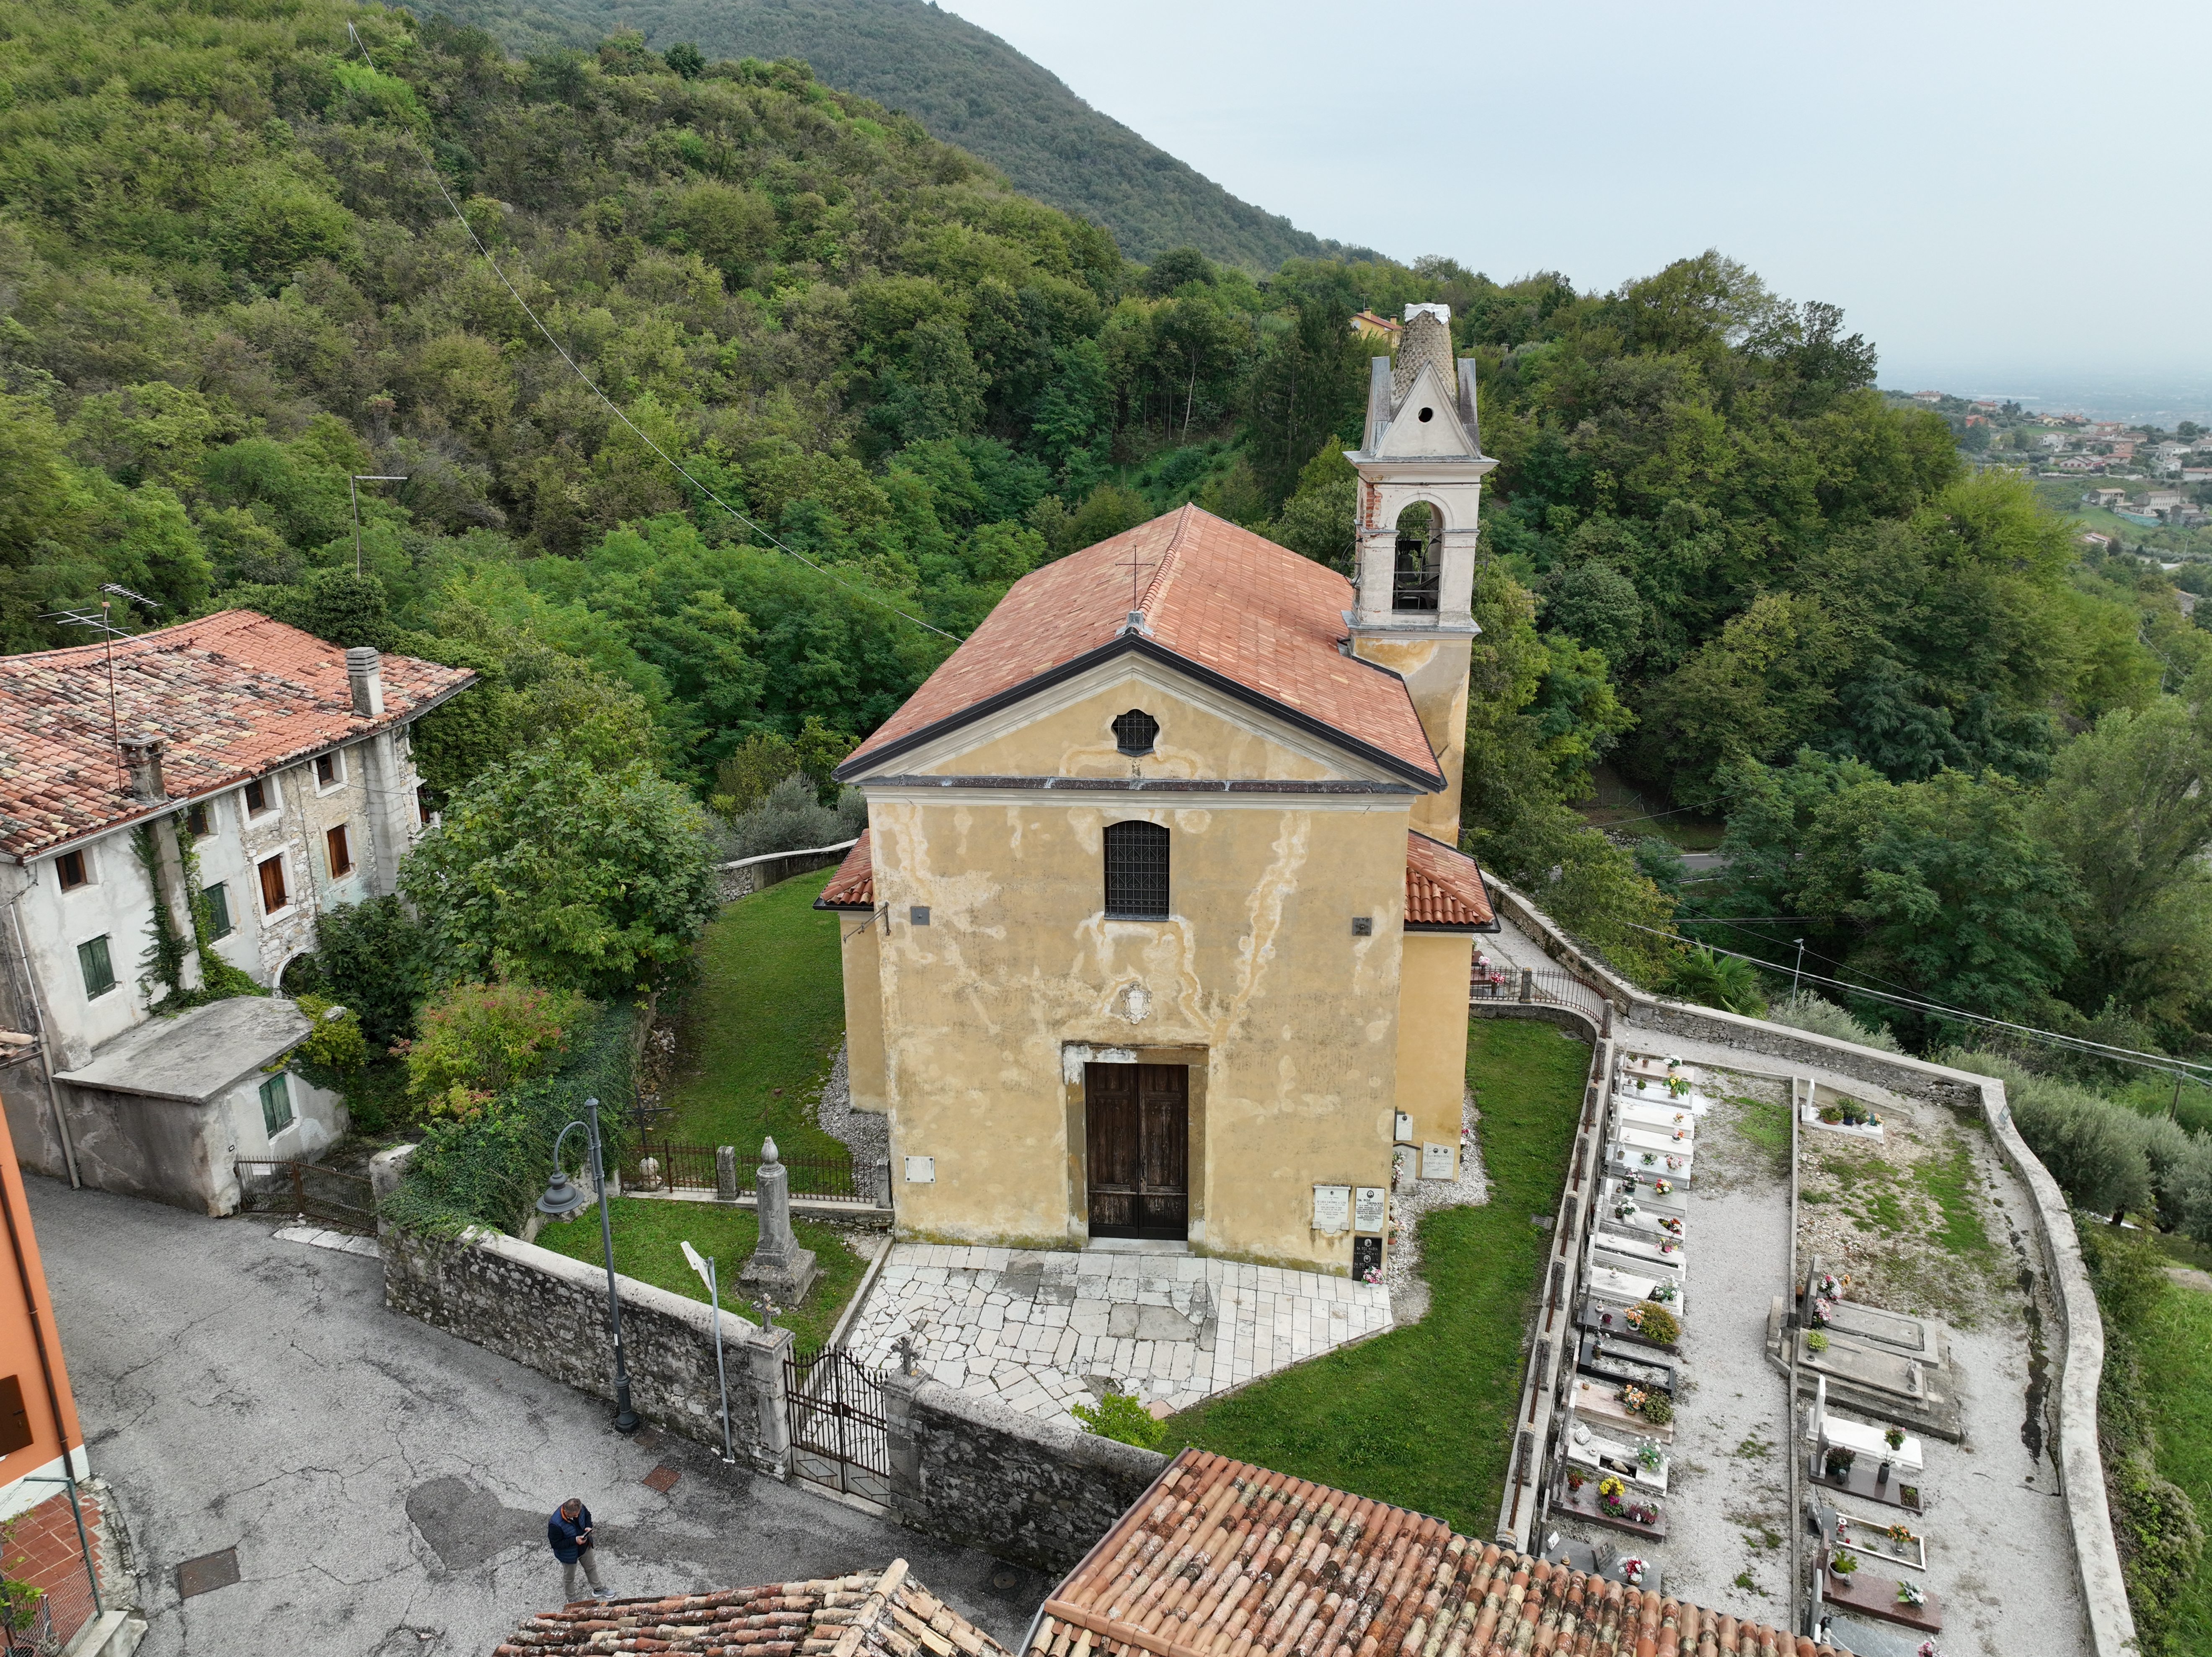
1420, 481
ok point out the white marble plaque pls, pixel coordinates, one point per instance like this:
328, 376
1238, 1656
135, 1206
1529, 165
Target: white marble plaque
1405, 1133
1332, 1209
922, 1170
1368, 1209
1438, 1162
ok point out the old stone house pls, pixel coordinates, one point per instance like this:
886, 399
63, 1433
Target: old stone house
1159, 929
232, 756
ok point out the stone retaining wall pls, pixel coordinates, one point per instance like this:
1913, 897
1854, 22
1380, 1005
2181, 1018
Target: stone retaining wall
749, 875
2079, 1355
548, 1313
974, 1472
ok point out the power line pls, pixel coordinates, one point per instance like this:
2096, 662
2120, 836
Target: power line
438, 179
2158, 1061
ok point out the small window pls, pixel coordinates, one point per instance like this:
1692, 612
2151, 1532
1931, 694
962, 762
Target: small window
220, 923
330, 769
1135, 732
1137, 870
99, 970
257, 798
274, 894
199, 822
70, 869
277, 1104
341, 854
423, 809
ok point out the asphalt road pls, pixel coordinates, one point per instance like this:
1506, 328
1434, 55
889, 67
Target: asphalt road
385, 1484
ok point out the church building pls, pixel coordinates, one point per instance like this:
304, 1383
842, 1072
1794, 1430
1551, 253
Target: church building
1159, 929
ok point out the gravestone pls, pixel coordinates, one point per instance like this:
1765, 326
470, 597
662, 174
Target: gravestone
779, 1269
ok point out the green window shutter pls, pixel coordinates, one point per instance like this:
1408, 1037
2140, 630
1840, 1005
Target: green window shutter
98, 971
218, 908
277, 1102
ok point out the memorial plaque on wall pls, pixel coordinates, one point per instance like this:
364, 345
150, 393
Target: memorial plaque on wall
1366, 1256
1436, 1161
1332, 1209
1368, 1208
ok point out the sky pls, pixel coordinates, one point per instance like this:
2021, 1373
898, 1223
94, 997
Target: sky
2005, 198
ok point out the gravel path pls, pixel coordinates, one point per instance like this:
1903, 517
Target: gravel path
1411, 1197
866, 1133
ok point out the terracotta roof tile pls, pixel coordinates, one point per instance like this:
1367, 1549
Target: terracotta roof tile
1214, 595
879, 1613
1221, 1558
1444, 887
853, 885
231, 696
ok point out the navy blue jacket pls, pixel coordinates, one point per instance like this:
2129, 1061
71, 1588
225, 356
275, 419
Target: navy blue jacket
565, 1533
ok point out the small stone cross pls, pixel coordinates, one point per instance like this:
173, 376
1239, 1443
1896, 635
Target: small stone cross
904, 1347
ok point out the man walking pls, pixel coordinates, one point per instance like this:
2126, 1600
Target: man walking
569, 1532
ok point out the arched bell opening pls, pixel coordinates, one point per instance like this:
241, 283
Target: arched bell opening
1417, 575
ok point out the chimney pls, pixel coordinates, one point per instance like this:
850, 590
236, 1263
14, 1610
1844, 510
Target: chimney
142, 757
365, 674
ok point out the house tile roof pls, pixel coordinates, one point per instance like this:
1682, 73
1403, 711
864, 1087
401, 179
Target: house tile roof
853, 885
1220, 597
879, 1613
1443, 886
1220, 1558
231, 696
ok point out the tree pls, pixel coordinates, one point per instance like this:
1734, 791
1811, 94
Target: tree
552, 872
374, 958
1310, 380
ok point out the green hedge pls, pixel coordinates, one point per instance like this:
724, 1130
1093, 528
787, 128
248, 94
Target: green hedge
491, 1168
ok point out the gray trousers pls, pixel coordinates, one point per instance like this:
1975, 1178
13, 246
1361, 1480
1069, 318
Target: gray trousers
589, 1560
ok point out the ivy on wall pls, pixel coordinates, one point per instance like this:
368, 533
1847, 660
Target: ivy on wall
166, 955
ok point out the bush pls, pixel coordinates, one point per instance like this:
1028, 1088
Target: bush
1726, 981
479, 1040
334, 1043
1656, 1322
1119, 1416
490, 1167
2091, 1147
374, 959
791, 819
1810, 1013
1658, 1408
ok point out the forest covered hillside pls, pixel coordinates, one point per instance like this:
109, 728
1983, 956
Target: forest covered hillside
1715, 557
968, 88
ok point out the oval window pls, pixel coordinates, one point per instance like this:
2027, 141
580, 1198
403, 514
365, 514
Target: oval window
1428, 414
1135, 732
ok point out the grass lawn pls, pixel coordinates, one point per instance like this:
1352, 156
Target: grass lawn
756, 1033
648, 1232
2176, 1372
1423, 1416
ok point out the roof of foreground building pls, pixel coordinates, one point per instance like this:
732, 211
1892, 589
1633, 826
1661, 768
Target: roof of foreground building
870, 1614
1221, 603
1221, 1558
230, 696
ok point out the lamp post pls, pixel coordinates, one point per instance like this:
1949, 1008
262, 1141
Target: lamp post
705, 1267
561, 1201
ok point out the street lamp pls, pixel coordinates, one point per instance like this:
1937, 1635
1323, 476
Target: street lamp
561, 1201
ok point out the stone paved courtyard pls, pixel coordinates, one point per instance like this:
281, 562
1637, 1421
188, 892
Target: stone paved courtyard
1040, 1332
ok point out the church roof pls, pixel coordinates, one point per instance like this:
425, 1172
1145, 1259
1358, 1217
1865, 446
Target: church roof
853, 885
1221, 1558
1218, 601
1443, 888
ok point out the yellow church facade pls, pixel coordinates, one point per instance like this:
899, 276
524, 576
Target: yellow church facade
1158, 929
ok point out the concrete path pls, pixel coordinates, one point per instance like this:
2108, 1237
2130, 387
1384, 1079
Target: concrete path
385, 1484
1040, 1332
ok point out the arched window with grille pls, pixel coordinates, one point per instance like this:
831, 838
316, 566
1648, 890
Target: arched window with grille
1136, 872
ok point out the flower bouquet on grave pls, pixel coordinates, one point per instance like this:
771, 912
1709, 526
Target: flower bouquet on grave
1631, 1570
1661, 1187
1632, 1398
1670, 1225
1609, 1495
1911, 1594
1839, 1461
1649, 1455
1673, 1164
1927, 1648
1828, 1287
1650, 1159
1641, 1513
1820, 1309
1681, 1134
1576, 1478
1665, 1293
1894, 1438
1626, 1209
1900, 1535
1678, 1085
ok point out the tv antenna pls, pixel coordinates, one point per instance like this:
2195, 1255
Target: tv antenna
82, 616
353, 481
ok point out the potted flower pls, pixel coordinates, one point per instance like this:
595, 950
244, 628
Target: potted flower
1664, 1293
1650, 1159
1609, 1491
1632, 1571
1649, 1456
1839, 1460
1678, 1085
1900, 1535
1894, 1438
1632, 1397
1643, 1514
1844, 1563
1911, 1594
1816, 1342
1661, 1187
1576, 1478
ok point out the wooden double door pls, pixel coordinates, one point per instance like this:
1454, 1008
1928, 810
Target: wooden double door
1138, 1136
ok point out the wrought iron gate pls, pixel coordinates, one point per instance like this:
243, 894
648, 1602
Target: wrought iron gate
837, 1428
308, 1189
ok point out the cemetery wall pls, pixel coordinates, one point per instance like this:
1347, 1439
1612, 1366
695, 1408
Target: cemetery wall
746, 876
